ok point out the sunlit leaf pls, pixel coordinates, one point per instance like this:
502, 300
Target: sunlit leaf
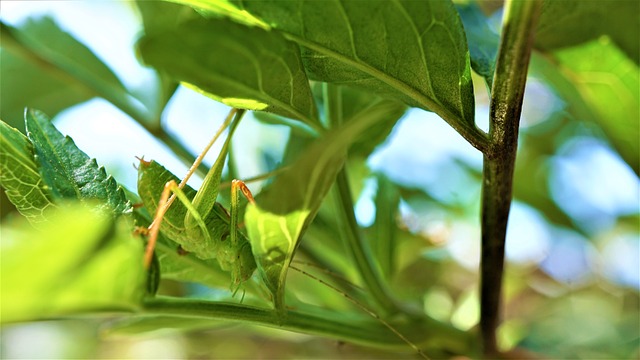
81, 260
568, 23
19, 175
283, 212
69, 172
226, 8
412, 50
243, 67
602, 85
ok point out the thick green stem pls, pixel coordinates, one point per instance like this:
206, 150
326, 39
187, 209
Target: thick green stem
506, 103
346, 216
355, 246
342, 326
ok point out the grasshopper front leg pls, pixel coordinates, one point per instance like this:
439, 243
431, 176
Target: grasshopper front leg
163, 206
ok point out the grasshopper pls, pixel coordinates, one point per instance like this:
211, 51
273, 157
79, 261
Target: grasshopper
202, 226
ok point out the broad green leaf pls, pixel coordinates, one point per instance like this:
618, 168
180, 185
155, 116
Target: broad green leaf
602, 85
247, 68
68, 171
61, 59
483, 42
412, 50
277, 223
81, 260
17, 90
19, 175
568, 23
277, 237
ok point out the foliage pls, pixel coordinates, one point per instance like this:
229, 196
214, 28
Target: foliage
339, 75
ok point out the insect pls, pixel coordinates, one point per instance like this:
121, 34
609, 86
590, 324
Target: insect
201, 225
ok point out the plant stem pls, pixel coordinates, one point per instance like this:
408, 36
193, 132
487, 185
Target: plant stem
314, 321
346, 217
506, 103
355, 246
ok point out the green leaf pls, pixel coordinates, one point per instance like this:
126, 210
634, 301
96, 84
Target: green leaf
276, 239
46, 50
19, 175
572, 22
483, 42
226, 8
277, 223
68, 171
600, 84
81, 260
247, 68
412, 50
44, 44
17, 90
160, 16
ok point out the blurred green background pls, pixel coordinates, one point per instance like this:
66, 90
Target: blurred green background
573, 273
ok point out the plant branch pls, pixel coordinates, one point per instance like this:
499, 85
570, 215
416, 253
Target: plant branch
315, 321
506, 103
346, 217
355, 245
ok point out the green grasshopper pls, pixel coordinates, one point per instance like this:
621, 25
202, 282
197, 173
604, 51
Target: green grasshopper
202, 226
